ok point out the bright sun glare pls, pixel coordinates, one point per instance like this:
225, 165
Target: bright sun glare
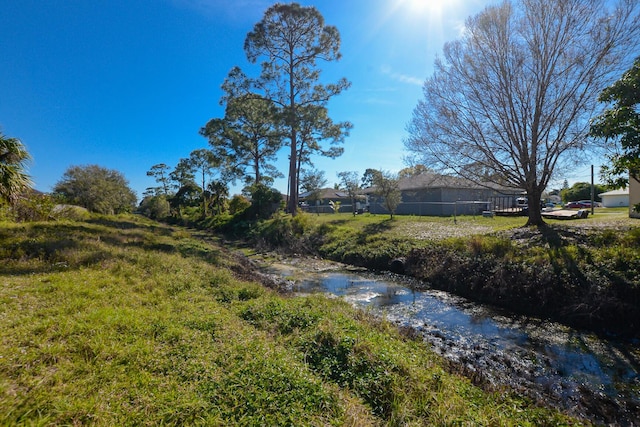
426, 16
432, 7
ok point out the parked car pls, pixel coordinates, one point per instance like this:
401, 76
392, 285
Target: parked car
582, 204
588, 203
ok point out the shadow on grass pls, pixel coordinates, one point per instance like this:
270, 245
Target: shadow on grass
585, 292
559, 256
119, 223
52, 247
340, 221
380, 227
29, 256
129, 224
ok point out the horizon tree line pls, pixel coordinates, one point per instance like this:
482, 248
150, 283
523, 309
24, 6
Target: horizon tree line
511, 102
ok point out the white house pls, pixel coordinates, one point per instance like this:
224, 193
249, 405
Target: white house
634, 197
615, 198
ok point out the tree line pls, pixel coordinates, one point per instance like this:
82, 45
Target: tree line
286, 104
520, 97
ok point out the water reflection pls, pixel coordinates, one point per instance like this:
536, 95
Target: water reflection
546, 360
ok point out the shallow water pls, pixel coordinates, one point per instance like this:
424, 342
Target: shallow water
579, 372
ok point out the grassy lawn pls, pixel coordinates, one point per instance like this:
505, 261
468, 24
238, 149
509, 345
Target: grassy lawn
122, 321
437, 228
372, 241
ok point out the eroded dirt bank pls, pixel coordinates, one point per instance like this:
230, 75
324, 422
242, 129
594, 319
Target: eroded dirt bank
587, 295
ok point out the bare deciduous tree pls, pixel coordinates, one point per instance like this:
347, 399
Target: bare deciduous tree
351, 184
513, 96
387, 187
312, 183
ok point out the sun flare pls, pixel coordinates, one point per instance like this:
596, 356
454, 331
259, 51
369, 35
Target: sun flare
429, 7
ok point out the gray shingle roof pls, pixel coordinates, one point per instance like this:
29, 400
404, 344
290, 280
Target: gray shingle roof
435, 180
327, 193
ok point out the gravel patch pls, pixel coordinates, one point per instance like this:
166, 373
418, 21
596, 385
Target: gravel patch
439, 231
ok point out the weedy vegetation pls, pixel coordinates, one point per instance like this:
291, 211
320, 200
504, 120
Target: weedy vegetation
123, 321
584, 273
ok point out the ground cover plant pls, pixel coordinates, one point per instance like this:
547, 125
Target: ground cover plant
122, 321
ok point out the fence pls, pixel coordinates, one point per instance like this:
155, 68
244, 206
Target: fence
460, 207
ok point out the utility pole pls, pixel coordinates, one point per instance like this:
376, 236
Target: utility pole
593, 202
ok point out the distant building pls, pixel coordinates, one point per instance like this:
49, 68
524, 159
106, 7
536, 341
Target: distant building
634, 197
321, 202
615, 198
443, 195
555, 199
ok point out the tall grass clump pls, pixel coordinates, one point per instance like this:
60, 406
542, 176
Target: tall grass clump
123, 321
395, 376
361, 241
117, 322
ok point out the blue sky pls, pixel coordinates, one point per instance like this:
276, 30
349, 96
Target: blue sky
127, 84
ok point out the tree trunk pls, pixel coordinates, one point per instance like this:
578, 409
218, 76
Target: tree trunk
256, 169
293, 161
293, 184
204, 197
298, 166
535, 212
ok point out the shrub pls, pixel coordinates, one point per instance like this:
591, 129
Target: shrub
96, 188
34, 207
155, 207
238, 204
265, 201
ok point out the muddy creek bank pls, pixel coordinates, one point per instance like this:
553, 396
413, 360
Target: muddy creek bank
580, 373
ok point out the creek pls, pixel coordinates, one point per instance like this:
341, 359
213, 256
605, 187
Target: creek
578, 372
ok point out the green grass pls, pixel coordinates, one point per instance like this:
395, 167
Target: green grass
122, 321
370, 240
465, 223
398, 224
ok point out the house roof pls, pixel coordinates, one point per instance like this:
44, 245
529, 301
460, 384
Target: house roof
434, 180
327, 193
618, 192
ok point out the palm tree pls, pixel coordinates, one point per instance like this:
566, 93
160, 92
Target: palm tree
13, 178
